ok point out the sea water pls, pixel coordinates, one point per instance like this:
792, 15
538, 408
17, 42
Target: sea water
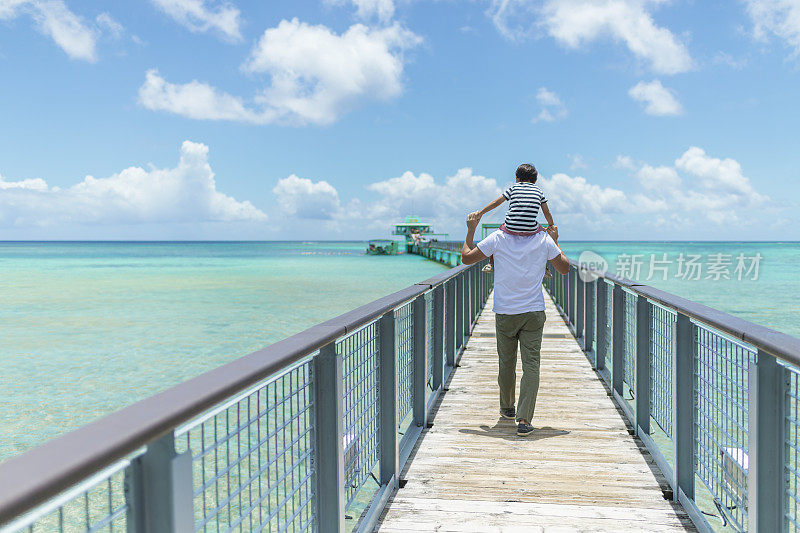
765, 289
88, 328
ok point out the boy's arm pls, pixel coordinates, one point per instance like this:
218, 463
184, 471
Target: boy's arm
547, 215
491, 206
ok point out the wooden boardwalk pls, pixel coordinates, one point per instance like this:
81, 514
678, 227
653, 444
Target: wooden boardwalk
581, 470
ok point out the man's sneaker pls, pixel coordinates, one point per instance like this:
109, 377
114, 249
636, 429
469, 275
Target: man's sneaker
487, 268
508, 413
523, 429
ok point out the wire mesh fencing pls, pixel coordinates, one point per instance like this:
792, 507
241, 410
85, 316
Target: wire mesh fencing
252, 458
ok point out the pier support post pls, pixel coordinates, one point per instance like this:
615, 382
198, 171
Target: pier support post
387, 400
438, 337
617, 338
158, 489
419, 358
329, 460
765, 476
601, 288
588, 298
450, 326
683, 406
643, 322
458, 317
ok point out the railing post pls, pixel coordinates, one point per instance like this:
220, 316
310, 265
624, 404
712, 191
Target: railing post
420, 363
473, 293
329, 462
602, 323
465, 317
580, 311
588, 336
458, 316
617, 338
765, 475
683, 405
438, 337
450, 326
642, 382
562, 280
387, 400
158, 489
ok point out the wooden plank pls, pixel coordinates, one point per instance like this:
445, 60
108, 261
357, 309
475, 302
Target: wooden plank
580, 470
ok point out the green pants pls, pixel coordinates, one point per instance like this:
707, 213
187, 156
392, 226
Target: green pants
526, 330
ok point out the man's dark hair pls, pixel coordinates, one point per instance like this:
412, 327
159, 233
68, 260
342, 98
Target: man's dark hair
527, 172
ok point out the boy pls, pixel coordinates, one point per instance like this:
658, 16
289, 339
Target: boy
524, 200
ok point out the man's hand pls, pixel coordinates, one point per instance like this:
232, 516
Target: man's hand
553, 231
472, 220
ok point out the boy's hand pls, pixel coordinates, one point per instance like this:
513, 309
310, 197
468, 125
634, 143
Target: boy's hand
472, 220
476, 213
553, 231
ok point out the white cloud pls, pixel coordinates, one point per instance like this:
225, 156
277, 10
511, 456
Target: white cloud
577, 162
193, 100
32, 184
201, 16
777, 17
447, 203
382, 10
185, 193
574, 23
315, 76
719, 175
568, 195
54, 19
624, 161
696, 187
552, 106
304, 198
659, 178
701, 186
110, 26
658, 99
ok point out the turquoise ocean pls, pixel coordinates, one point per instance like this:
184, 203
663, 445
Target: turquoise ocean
87, 328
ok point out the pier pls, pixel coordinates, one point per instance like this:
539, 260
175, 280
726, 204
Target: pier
654, 413
581, 469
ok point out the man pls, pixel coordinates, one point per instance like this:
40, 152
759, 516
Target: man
519, 265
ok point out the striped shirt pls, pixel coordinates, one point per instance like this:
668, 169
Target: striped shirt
524, 199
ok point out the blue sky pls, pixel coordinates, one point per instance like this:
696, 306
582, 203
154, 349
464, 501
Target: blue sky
330, 119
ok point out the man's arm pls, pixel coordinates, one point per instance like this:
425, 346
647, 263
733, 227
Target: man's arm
469, 252
547, 215
560, 262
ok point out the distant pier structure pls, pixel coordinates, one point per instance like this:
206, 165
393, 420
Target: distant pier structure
655, 413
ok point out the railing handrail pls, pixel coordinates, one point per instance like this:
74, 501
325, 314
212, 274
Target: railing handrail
780, 345
43, 472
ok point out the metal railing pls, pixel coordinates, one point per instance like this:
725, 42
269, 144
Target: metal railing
445, 252
307, 434
713, 397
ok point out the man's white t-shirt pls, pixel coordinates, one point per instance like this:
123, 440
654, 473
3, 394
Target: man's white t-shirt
519, 264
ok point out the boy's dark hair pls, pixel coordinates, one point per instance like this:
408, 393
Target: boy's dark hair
527, 172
